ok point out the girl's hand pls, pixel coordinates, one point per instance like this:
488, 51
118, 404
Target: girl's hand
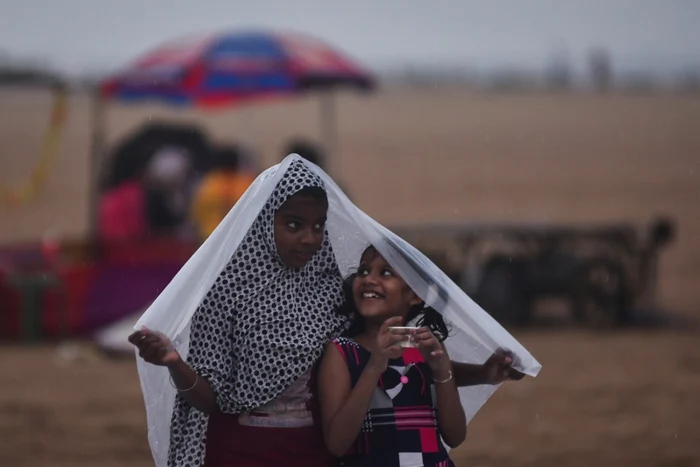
154, 347
498, 368
431, 348
387, 346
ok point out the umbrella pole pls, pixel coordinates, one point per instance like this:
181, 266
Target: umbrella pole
96, 149
328, 131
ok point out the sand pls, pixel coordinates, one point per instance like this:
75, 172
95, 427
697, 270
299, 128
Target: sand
619, 398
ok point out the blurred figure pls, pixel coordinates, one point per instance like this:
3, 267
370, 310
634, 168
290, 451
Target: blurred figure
312, 153
308, 150
122, 212
167, 187
220, 189
600, 69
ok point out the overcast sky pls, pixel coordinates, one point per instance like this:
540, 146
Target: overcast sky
82, 35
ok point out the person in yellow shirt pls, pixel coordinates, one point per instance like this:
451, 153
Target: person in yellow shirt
219, 190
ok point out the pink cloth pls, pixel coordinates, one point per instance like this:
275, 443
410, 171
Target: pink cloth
122, 213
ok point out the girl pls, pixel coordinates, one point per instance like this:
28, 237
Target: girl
383, 404
244, 389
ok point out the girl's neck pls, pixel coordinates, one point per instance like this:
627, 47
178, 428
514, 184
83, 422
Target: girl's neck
368, 337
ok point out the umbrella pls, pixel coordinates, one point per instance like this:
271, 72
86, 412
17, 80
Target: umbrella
225, 68
228, 68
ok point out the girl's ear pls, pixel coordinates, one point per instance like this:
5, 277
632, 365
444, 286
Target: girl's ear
415, 299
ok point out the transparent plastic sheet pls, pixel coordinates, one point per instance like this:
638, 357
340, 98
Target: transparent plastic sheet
474, 334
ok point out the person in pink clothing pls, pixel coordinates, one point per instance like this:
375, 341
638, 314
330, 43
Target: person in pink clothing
122, 214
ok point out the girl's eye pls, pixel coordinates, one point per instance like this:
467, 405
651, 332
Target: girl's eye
362, 272
293, 225
386, 272
318, 227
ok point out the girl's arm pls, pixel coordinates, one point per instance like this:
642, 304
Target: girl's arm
195, 389
343, 409
204, 385
468, 374
157, 349
450, 414
495, 370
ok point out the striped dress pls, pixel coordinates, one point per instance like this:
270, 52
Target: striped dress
400, 428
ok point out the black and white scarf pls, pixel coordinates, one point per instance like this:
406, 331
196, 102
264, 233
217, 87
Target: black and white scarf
261, 325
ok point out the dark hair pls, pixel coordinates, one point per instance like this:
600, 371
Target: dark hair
315, 192
307, 150
228, 157
427, 316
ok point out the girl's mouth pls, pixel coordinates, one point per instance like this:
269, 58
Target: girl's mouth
371, 296
305, 254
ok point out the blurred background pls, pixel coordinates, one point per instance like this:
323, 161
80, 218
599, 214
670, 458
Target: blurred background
545, 154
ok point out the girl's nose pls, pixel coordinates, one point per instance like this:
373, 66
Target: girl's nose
369, 279
308, 237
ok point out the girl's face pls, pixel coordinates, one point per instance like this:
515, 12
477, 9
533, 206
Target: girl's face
378, 292
299, 229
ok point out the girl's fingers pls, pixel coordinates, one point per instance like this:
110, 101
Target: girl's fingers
424, 334
161, 353
149, 353
146, 341
135, 337
393, 321
437, 353
393, 342
425, 340
139, 336
153, 349
399, 337
431, 343
145, 346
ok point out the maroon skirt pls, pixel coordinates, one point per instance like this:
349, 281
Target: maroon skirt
230, 444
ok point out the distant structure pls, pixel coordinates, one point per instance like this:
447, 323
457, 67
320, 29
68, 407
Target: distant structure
688, 81
600, 69
558, 75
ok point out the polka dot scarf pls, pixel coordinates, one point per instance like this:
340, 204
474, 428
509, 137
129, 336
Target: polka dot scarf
261, 325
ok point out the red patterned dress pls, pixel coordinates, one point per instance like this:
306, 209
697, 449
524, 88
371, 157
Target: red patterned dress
400, 428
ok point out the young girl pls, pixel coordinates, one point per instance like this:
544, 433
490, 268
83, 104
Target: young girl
382, 403
244, 390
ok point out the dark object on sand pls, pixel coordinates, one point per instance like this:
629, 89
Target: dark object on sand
131, 155
603, 272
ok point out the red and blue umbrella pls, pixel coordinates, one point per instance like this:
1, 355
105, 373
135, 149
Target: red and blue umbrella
228, 68
225, 68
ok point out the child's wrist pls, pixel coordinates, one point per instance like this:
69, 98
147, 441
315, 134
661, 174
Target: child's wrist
377, 364
442, 379
176, 364
441, 370
442, 365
